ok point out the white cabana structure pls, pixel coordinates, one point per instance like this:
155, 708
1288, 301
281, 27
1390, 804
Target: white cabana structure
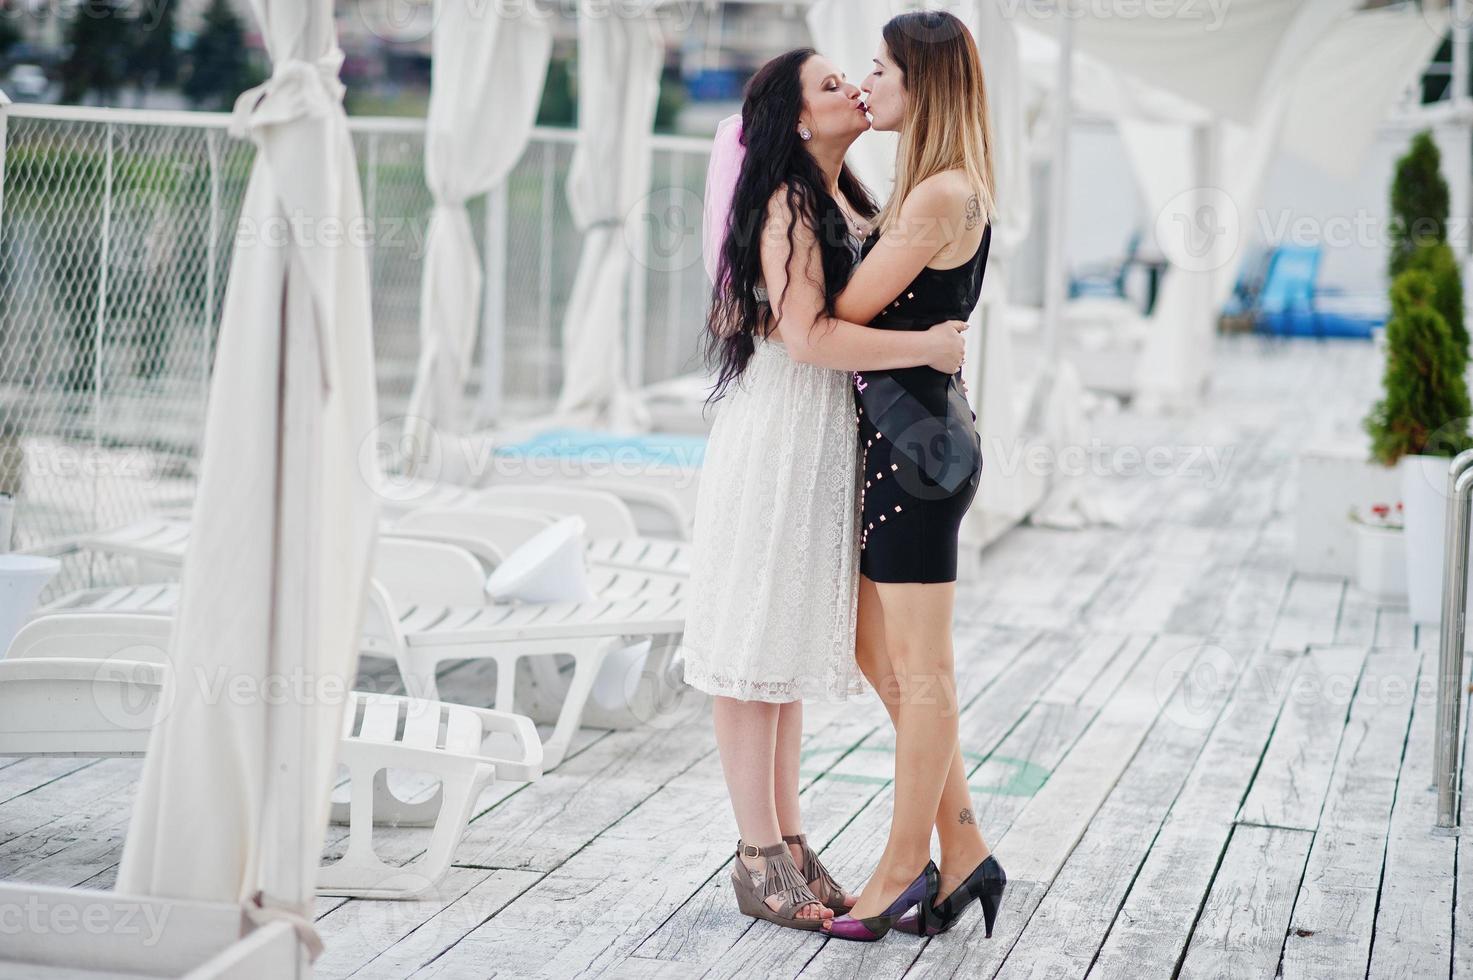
264, 648
1200, 154
487, 75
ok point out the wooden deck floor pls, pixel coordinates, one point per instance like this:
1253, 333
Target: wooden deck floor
1190, 760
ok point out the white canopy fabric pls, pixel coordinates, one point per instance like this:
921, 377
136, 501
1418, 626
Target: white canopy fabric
1352, 79
487, 76
620, 57
1226, 58
1327, 112
265, 641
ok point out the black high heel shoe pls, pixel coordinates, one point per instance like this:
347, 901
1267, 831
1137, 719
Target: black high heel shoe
985, 884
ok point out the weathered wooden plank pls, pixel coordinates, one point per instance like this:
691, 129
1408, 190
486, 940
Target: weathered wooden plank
1310, 612
1463, 922
1357, 624
1394, 627
1335, 912
392, 939
21, 776
1289, 790
1151, 930
1241, 930
1414, 918
1071, 921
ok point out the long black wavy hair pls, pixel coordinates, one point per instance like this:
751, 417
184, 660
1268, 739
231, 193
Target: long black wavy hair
776, 158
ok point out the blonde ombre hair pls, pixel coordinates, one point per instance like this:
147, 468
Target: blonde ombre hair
947, 126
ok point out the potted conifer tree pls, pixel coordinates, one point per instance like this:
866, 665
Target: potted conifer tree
1420, 422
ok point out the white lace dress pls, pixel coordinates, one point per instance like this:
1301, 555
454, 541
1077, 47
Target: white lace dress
774, 586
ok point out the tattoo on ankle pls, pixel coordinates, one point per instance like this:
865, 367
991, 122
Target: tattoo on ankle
966, 817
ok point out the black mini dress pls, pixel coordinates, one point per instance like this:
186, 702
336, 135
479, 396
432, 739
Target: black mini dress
922, 457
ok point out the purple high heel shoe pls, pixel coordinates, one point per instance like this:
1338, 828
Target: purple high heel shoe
921, 892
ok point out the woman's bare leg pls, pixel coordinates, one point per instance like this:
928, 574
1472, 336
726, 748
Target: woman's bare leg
917, 630
962, 846
789, 758
747, 739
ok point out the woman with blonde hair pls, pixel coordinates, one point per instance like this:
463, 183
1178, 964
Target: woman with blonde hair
922, 461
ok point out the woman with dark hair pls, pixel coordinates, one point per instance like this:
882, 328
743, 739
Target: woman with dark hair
922, 461
774, 569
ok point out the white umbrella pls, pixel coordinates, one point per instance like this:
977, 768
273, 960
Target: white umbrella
234, 796
620, 55
486, 83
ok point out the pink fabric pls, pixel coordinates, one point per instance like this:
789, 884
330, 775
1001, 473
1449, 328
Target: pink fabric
727, 154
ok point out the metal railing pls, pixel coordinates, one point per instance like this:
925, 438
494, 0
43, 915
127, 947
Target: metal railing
116, 229
1450, 692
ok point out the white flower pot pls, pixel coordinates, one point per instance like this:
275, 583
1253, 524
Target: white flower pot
1424, 501
22, 577
1381, 564
1332, 479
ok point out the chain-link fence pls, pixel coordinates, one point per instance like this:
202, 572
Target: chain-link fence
115, 240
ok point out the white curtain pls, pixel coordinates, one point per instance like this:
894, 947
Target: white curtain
233, 801
1227, 58
620, 56
486, 83
1351, 81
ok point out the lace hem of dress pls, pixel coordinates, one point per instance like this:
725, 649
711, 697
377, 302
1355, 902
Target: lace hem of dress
834, 689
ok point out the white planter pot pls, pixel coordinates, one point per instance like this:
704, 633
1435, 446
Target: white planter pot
1331, 480
22, 577
1424, 500
1381, 564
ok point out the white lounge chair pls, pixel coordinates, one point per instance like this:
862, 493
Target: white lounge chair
90, 685
158, 544
415, 619
427, 606
605, 515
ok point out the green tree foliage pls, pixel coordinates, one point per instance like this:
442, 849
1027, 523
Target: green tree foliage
1439, 262
155, 60
1424, 405
218, 66
100, 39
1419, 203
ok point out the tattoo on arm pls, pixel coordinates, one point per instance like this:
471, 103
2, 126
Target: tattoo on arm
974, 212
966, 817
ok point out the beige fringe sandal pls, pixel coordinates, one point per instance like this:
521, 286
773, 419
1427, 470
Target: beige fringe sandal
820, 882
780, 876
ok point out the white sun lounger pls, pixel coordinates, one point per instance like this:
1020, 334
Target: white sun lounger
90, 685
426, 606
159, 543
